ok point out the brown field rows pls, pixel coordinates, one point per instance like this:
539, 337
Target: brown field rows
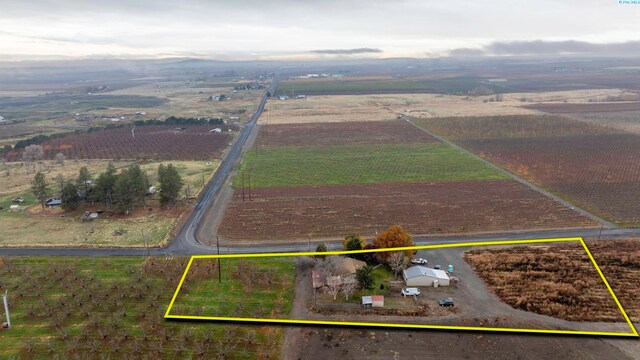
566, 108
421, 208
346, 133
561, 281
599, 172
161, 142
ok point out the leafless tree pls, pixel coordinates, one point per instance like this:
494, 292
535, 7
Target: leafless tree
334, 284
60, 158
397, 262
349, 285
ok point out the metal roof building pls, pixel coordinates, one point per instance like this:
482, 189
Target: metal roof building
424, 276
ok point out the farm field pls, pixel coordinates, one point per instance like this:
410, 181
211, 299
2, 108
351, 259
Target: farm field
593, 167
623, 120
153, 142
341, 133
565, 108
560, 281
55, 227
376, 107
80, 307
360, 164
250, 287
445, 207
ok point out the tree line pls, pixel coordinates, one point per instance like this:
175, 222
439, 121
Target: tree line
123, 191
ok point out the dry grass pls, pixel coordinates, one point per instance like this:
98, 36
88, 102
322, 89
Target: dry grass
560, 280
337, 108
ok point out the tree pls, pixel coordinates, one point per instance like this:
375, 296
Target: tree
39, 188
124, 193
334, 283
69, 197
321, 248
364, 276
394, 237
170, 184
354, 242
83, 181
139, 183
397, 261
105, 184
349, 284
60, 158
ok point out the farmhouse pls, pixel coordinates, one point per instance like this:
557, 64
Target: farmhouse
424, 276
348, 266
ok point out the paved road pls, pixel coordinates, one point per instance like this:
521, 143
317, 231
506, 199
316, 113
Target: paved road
186, 241
583, 212
201, 249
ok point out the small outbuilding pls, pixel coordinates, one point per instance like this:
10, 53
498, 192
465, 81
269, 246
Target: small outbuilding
376, 301
424, 276
317, 278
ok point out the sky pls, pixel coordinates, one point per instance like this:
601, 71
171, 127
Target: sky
306, 29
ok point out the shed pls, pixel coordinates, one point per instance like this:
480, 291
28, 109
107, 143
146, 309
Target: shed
367, 301
377, 300
424, 276
216, 130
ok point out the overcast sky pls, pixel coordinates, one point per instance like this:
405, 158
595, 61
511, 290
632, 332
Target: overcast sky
269, 29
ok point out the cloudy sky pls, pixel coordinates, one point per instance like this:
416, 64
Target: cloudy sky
283, 29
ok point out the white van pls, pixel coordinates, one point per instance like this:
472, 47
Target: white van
410, 292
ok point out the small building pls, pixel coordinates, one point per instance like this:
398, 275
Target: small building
283, 97
15, 208
301, 97
317, 278
376, 301
53, 202
216, 130
424, 276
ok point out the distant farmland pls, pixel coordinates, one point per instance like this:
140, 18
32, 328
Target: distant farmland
161, 142
595, 167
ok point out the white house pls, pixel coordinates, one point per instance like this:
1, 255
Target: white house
424, 276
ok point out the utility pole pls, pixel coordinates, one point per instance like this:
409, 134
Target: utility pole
6, 308
219, 268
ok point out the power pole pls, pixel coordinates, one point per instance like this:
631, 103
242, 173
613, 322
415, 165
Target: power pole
6, 308
219, 268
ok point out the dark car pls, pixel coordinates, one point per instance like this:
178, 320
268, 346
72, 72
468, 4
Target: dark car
446, 302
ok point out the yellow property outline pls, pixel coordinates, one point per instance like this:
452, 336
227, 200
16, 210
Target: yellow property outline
633, 332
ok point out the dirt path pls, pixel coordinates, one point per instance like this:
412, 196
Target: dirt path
294, 335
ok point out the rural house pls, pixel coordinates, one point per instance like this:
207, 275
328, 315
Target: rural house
424, 276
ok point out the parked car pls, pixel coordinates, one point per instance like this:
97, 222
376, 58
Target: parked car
410, 292
419, 261
438, 267
18, 200
446, 302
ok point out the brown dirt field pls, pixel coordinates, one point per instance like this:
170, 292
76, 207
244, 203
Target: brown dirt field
346, 133
623, 120
421, 208
599, 172
566, 108
560, 280
354, 343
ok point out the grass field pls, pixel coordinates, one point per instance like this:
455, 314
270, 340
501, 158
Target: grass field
360, 164
250, 287
64, 308
54, 227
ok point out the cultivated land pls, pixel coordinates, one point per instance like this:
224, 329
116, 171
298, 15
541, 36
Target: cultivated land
595, 167
55, 227
426, 208
561, 281
361, 177
165, 142
376, 107
249, 287
623, 120
66, 308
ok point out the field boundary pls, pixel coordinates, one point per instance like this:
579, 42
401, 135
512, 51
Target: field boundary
633, 332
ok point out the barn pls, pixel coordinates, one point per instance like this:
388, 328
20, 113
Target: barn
424, 276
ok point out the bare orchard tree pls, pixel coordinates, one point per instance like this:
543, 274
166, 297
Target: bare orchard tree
60, 158
349, 285
397, 261
32, 153
334, 284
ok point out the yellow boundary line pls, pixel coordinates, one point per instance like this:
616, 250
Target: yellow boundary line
633, 332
